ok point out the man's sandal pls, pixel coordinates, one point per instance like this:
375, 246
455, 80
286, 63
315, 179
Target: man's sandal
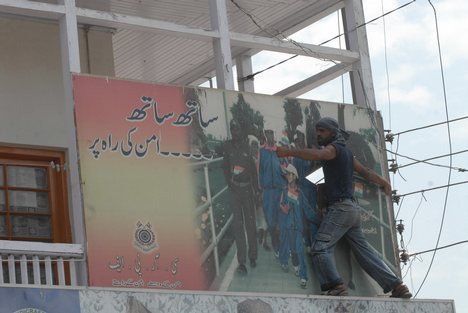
401, 291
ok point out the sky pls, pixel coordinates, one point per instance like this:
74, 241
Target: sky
409, 91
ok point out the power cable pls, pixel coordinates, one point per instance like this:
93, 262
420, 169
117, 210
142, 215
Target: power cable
278, 32
438, 248
386, 67
409, 268
414, 216
399, 208
370, 111
252, 17
251, 76
434, 188
430, 125
339, 46
459, 169
396, 153
450, 148
368, 22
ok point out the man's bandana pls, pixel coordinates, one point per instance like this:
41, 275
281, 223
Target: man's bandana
332, 125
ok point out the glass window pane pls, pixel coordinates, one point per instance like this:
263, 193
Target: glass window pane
31, 226
27, 177
28, 201
2, 200
3, 227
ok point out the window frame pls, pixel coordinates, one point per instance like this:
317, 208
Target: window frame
53, 161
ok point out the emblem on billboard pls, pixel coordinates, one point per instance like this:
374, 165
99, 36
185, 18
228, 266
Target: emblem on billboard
145, 238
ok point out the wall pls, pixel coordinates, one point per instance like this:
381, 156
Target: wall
31, 89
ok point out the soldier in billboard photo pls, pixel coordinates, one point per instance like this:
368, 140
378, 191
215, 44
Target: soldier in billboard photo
343, 217
259, 214
272, 183
295, 209
241, 176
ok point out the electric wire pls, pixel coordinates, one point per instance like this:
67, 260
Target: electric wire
368, 22
339, 46
253, 18
371, 112
430, 125
409, 268
399, 208
396, 153
434, 188
450, 148
414, 216
278, 32
388, 81
438, 248
416, 255
459, 169
386, 67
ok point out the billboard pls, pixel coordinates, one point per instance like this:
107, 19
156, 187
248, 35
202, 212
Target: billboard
179, 187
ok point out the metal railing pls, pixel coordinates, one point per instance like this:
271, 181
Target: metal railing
210, 199
39, 263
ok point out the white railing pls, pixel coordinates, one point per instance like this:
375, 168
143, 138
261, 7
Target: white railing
39, 263
210, 199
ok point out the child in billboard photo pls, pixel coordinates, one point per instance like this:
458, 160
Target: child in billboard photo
343, 216
272, 183
295, 209
309, 189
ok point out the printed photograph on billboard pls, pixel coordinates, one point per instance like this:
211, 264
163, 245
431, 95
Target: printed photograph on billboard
183, 190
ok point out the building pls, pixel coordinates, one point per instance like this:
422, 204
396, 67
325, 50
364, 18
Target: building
52, 225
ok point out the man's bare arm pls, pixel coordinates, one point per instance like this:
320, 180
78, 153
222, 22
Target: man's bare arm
372, 176
327, 153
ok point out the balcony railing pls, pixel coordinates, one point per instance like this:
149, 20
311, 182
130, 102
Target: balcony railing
39, 263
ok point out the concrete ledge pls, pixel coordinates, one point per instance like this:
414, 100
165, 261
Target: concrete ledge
171, 302
121, 300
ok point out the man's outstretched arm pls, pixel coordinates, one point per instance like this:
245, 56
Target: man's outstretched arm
327, 153
372, 176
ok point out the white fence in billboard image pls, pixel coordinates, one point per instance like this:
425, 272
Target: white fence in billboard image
39, 263
208, 208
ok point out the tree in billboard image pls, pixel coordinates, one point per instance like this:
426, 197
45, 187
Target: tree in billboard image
293, 116
252, 121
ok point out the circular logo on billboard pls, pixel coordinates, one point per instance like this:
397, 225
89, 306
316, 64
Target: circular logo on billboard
145, 238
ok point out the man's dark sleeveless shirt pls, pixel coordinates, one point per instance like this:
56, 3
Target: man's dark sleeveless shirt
339, 175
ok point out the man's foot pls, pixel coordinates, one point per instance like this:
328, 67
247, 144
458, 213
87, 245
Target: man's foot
338, 290
401, 291
266, 246
285, 268
296, 271
277, 254
241, 269
260, 236
303, 283
253, 263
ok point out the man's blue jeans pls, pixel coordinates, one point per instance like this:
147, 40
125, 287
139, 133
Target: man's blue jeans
343, 220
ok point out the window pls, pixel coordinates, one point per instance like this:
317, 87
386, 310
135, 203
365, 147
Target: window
33, 201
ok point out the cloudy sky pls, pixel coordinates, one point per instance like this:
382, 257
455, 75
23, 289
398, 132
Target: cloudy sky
410, 94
